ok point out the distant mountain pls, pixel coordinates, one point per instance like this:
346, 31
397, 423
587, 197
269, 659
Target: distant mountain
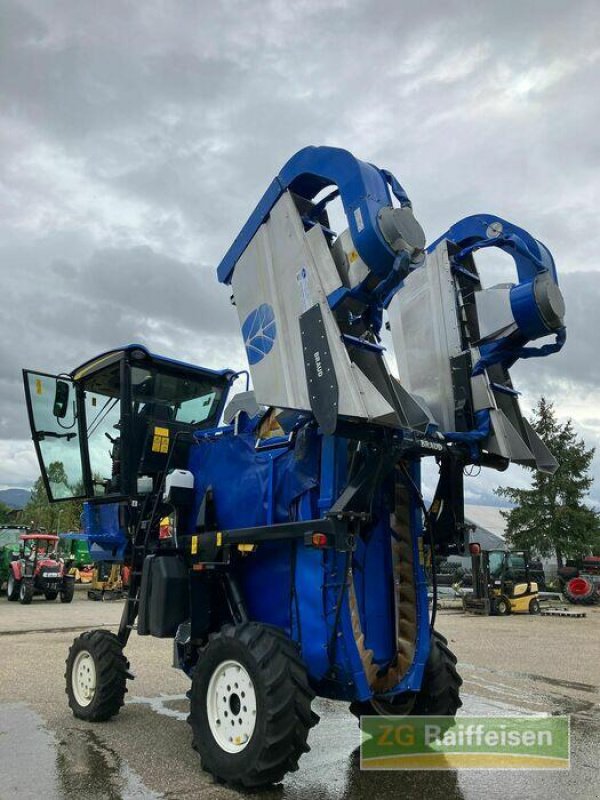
15, 498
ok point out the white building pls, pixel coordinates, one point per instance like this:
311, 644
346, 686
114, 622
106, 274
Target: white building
490, 526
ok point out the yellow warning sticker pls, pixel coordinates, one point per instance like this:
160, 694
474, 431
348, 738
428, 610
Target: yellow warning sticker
160, 440
352, 256
194, 545
38, 386
219, 538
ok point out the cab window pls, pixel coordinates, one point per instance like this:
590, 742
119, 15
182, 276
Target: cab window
102, 399
56, 435
173, 398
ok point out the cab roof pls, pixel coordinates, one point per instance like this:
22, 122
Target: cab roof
46, 536
110, 356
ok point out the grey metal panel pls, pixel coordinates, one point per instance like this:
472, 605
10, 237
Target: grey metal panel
545, 461
330, 278
506, 442
378, 406
416, 413
481, 393
291, 270
349, 263
426, 335
242, 401
494, 312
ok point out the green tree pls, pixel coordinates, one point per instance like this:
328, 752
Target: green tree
552, 517
4, 513
40, 513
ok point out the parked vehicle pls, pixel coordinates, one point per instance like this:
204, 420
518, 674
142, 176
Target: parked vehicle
109, 581
294, 564
39, 570
502, 583
74, 549
9, 548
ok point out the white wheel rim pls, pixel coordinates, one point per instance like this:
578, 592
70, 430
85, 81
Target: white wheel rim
83, 678
231, 706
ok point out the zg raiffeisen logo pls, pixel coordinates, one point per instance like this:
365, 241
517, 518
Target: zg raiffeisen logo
515, 742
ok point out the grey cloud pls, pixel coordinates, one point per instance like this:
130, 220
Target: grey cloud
64, 312
577, 362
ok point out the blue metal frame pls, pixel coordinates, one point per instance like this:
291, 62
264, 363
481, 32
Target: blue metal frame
475, 232
363, 188
116, 351
107, 539
532, 259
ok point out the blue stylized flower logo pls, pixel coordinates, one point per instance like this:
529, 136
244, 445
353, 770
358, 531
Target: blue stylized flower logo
259, 332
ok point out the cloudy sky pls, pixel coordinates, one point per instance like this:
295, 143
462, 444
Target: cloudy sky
136, 137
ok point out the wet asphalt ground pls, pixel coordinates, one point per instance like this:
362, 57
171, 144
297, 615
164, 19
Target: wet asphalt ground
509, 665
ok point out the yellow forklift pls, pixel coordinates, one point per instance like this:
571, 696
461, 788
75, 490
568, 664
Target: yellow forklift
109, 581
502, 583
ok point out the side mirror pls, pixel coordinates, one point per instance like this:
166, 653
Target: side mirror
61, 399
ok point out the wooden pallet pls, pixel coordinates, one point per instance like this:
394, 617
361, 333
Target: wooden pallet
562, 612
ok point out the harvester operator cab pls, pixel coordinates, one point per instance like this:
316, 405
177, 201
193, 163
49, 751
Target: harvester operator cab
107, 431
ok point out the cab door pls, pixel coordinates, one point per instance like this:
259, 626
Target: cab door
55, 421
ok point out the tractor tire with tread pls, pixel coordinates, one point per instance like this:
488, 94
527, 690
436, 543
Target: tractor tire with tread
12, 587
581, 591
110, 670
66, 594
439, 694
279, 689
25, 592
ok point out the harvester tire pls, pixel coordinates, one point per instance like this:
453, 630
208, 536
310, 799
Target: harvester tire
440, 692
12, 587
439, 695
250, 706
96, 676
25, 592
580, 591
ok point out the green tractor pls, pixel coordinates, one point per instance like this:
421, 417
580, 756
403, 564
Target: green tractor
9, 548
74, 549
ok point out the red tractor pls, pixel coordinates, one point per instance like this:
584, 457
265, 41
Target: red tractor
39, 570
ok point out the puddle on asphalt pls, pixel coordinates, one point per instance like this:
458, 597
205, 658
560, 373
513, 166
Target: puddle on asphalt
78, 764
324, 775
34, 761
175, 706
331, 770
27, 751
